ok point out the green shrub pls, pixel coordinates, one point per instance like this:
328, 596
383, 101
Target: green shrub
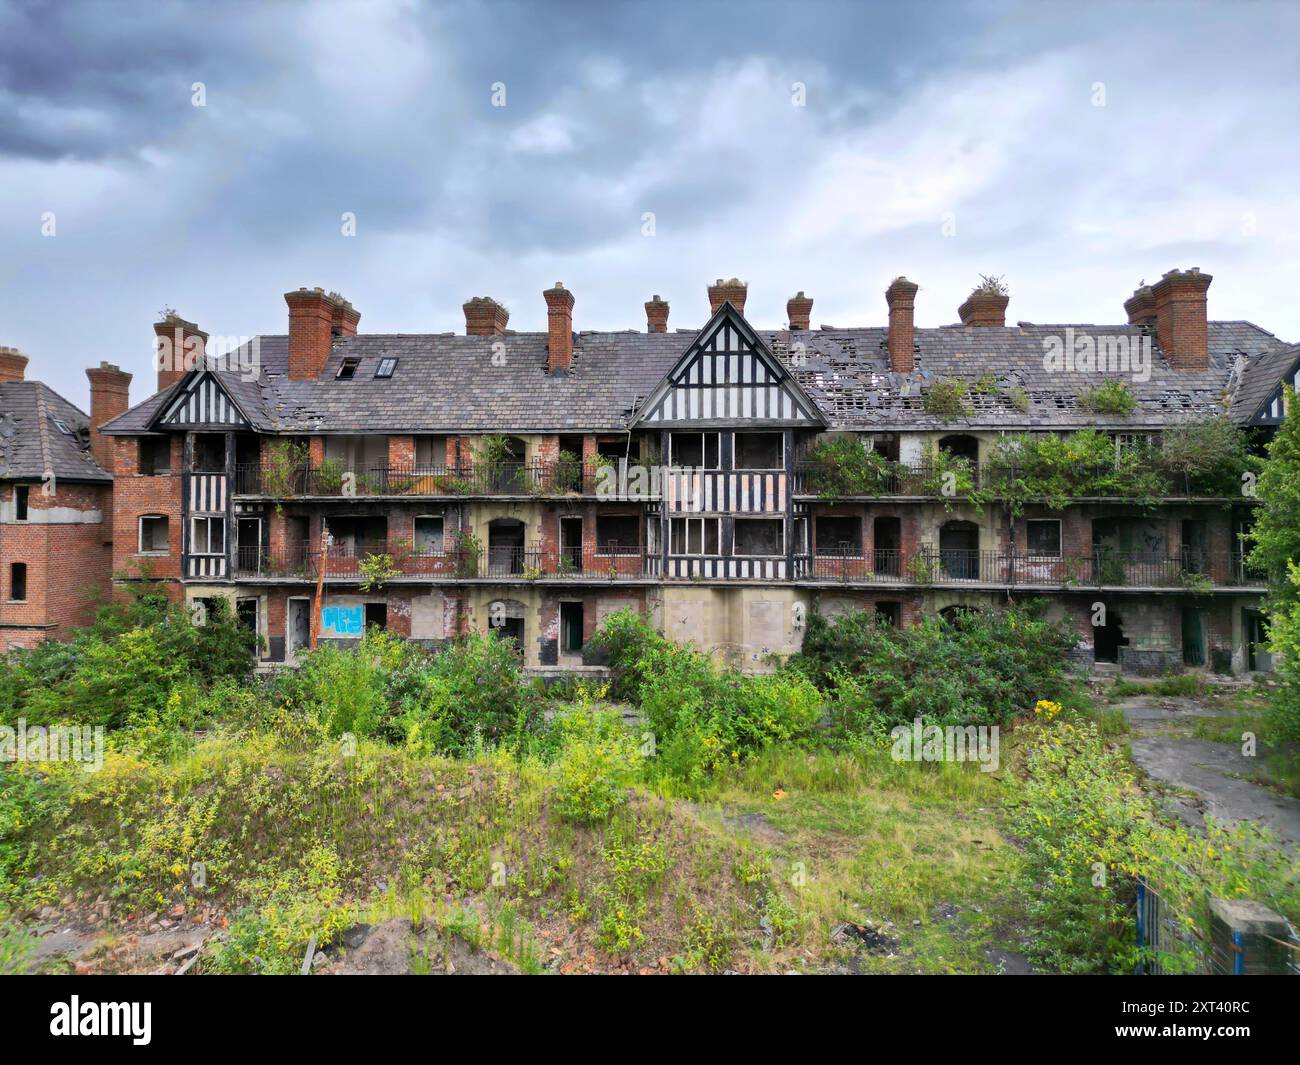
597, 761
1111, 397
947, 398
841, 466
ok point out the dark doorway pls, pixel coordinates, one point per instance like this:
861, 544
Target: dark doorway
570, 545
961, 446
888, 539
569, 469
505, 546
890, 613
376, 615
571, 619
298, 627
959, 554
246, 612
1193, 637
1258, 656
1108, 639
1194, 539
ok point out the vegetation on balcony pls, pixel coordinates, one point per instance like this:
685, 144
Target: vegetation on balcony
840, 466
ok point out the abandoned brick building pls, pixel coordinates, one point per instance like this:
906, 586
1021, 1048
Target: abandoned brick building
56, 504
326, 480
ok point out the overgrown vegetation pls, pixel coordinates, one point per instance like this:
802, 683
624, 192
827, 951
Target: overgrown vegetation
1111, 397
947, 398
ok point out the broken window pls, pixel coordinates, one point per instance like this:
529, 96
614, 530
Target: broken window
698, 450
22, 493
759, 536
694, 536
208, 453
428, 535
1044, 537
207, 536
155, 455
347, 369
153, 535
617, 534
759, 451
839, 535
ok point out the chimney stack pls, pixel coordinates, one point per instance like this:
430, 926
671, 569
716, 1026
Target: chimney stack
1182, 330
984, 309
109, 396
346, 317
1141, 306
798, 309
179, 346
13, 365
732, 291
656, 316
901, 297
312, 313
559, 328
484, 317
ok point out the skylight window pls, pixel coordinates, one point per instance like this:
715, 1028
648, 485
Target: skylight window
347, 369
386, 366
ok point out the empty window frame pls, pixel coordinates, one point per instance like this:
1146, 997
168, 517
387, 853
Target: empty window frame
207, 536
347, 369
22, 496
208, 453
694, 536
1043, 537
153, 535
428, 535
839, 535
18, 581
759, 451
698, 450
155, 455
759, 537
618, 534
386, 367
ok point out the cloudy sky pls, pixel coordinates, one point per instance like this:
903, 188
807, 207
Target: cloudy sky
642, 148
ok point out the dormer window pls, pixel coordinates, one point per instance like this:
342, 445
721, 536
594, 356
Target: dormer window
386, 366
347, 369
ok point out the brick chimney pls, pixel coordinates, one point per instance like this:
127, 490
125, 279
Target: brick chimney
484, 317
109, 396
179, 346
984, 309
311, 331
798, 309
346, 317
559, 328
1141, 306
13, 365
732, 291
656, 316
1181, 327
901, 297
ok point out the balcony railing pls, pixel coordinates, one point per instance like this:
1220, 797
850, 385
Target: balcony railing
359, 561
992, 479
466, 479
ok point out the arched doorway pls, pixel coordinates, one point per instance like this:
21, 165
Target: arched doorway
959, 554
961, 446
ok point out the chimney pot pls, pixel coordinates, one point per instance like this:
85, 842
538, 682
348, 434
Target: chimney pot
798, 309
1141, 306
13, 365
179, 346
901, 298
731, 291
559, 329
656, 315
110, 393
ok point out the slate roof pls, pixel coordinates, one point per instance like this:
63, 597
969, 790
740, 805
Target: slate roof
31, 444
451, 383
1260, 378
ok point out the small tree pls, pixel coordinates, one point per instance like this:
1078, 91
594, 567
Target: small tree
1276, 534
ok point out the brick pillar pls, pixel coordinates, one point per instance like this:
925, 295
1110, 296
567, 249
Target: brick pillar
901, 298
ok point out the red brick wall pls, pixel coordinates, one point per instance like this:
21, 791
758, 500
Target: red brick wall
68, 563
135, 495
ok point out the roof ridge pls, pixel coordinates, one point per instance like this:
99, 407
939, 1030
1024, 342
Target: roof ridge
43, 429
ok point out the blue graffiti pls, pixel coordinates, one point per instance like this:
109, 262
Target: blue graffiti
343, 620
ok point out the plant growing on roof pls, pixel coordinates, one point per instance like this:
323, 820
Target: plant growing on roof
947, 399
991, 285
1111, 397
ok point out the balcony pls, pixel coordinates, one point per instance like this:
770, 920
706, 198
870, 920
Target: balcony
332, 480
991, 481
388, 561
1005, 569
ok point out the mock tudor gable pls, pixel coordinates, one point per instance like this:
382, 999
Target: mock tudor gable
728, 375
201, 400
